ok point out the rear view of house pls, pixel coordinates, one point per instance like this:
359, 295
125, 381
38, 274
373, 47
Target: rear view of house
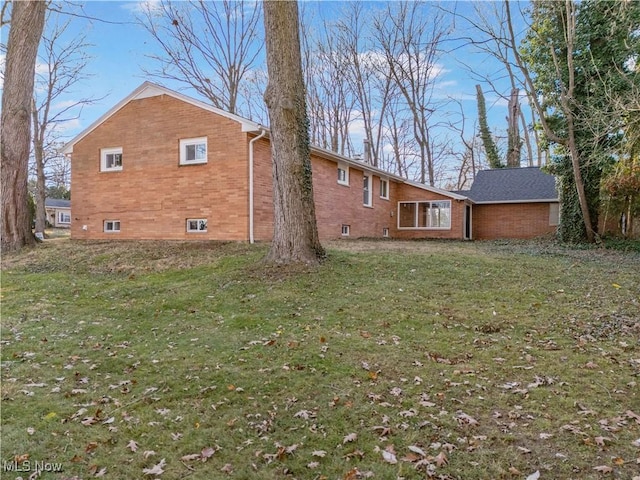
162, 165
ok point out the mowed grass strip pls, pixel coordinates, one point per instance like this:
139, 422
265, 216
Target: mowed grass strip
391, 360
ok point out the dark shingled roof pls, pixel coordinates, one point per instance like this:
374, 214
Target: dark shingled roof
57, 202
527, 184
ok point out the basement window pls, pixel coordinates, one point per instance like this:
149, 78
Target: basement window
193, 151
112, 226
385, 232
346, 229
196, 225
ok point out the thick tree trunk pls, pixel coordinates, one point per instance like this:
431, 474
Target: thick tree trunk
295, 236
27, 23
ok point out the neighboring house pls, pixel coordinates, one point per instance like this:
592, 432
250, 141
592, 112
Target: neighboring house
58, 212
162, 165
514, 203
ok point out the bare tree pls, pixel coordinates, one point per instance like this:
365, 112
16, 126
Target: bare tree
208, 46
295, 236
328, 95
64, 62
566, 98
491, 37
411, 47
368, 76
27, 24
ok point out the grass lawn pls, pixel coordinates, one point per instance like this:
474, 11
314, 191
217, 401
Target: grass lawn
393, 360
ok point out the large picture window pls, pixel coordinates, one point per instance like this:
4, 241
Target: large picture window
424, 215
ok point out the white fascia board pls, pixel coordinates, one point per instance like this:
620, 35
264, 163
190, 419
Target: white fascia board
537, 200
150, 89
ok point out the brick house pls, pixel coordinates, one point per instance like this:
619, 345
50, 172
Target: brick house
514, 203
162, 165
58, 212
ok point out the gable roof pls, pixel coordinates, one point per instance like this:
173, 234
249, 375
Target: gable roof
513, 185
150, 89
57, 203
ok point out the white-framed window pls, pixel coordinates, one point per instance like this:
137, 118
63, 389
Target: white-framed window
193, 151
425, 215
64, 217
346, 229
111, 159
554, 214
196, 225
343, 174
367, 197
112, 226
384, 188
385, 232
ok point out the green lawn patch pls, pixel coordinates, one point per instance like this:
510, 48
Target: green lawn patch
408, 360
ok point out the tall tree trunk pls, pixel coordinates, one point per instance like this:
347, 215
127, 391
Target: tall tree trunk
295, 235
514, 143
38, 154
27, 23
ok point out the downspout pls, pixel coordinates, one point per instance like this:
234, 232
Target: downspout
262, 134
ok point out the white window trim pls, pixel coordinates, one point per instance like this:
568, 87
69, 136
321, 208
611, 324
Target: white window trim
385, 232
197, 230
345, 168
346, 230
386, 180
112, 230
369, 202
185, 142
416, 202
61, 215
103, 159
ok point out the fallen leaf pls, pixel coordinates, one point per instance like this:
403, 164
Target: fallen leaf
133, 446
417, 450
190, 457
534, 476
157, 469
352, 437
101, 473
603, 469
441, 459
389, 457
207, 453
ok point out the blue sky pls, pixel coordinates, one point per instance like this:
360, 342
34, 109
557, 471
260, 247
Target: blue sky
120, 48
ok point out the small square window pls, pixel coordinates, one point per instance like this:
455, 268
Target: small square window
385, 232
193, 151
111, 159
346, 229
197, 225
343, 174
112, 226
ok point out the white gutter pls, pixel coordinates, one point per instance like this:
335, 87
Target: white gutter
262, 134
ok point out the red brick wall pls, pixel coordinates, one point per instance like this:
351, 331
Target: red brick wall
513, 220
153, 195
